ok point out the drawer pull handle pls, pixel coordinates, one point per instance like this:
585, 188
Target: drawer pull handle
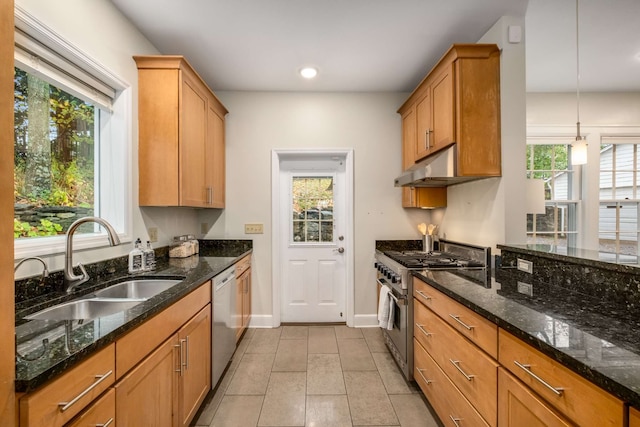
423, 295
527, 368
186, 356
99, 378
180, 365
107, 424
456, 363
427, 334
457, 319
423, 377
455, 420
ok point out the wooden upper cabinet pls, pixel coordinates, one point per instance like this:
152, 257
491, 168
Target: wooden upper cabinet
458, 102
181, 135
409, 125
424, 197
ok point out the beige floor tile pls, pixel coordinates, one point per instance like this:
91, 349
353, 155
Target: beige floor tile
294, 332
252, 375
328, 411
355, 355
368, 400
284, 402
324, 374
391, 375
345, 332
291, 355
238, 411
412, 411
322, 339
264, 341
374, 339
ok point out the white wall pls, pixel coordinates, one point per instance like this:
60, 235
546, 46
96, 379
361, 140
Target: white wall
259, 122
491, 211
99, 30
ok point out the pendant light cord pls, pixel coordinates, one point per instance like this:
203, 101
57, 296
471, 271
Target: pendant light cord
578, 72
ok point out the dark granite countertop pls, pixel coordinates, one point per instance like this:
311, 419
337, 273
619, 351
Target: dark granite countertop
70, 342
594, 338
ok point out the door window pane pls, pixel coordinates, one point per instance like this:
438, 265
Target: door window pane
312, 209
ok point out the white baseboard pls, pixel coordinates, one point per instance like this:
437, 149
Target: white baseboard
261, 321
365, 321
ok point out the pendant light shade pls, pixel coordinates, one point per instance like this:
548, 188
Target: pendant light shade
579, 146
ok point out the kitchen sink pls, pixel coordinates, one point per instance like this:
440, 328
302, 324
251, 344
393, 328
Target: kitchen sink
140, 289
90, 308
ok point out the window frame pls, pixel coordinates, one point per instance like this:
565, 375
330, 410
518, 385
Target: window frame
114, 194
292, 243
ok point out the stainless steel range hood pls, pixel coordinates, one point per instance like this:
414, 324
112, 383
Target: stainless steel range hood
438, 170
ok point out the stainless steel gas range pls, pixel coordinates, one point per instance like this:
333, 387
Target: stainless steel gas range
393, 269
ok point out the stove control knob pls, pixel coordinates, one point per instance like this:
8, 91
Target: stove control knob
395, 278
389, 274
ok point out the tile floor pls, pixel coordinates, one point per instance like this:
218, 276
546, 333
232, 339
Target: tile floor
315, 376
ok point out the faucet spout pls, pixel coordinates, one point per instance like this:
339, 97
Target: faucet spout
71, 280
45, 271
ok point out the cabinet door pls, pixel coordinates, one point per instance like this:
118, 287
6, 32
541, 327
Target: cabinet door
239, 306
423, 127
442, 111
215, 164
634, 417
193, 190
195, 372
519, 406
246, 300
409, 138
147, 396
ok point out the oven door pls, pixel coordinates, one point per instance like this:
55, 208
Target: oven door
398, 335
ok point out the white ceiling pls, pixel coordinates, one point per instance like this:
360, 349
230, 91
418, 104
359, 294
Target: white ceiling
384, 45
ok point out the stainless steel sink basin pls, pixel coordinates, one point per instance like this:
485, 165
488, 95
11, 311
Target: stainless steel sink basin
84, 309
142, 288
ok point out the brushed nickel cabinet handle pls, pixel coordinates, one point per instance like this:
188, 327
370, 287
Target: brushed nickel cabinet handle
421, 327
179, 347
527, 368
457, 319
186, 353
455, 420
423, 295
456, 363
423, 377
99, 378
107, 424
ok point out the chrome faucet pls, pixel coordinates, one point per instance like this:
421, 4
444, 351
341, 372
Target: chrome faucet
71, 280
45, 272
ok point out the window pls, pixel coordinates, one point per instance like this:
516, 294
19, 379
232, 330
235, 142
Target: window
71, 142
549, 160
312, 209
619, 202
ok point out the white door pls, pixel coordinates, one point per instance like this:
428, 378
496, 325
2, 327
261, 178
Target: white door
312, 236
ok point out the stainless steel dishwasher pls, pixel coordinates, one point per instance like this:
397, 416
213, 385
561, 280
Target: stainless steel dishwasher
224, 322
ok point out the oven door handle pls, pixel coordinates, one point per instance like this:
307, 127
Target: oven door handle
402, 300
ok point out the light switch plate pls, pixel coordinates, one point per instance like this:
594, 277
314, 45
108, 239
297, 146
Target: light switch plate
524, 265
153, 234
253, 229
204, 228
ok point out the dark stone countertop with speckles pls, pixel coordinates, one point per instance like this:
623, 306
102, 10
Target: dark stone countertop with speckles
70, 342
594, 338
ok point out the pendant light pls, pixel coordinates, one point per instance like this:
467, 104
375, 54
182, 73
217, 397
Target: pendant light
579, 146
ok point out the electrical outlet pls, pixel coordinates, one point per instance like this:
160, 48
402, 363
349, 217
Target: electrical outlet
153, 234
253, 228
204, 228
524, 265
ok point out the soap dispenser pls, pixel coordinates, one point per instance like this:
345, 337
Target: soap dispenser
149, 258
136, 258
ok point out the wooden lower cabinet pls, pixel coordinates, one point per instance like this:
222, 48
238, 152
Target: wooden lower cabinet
102, 412
195, 380
167, 388
243, 295
634, 417
518, 406
146, 395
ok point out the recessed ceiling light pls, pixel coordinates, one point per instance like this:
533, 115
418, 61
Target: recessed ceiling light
308, 72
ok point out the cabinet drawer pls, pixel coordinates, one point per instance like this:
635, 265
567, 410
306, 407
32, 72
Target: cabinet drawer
519, 406
525, 362
66, 396
482, 332
101, 413
443, 396
471, 370
137, 344
243, 265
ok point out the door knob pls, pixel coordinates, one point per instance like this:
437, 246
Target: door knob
340, 250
